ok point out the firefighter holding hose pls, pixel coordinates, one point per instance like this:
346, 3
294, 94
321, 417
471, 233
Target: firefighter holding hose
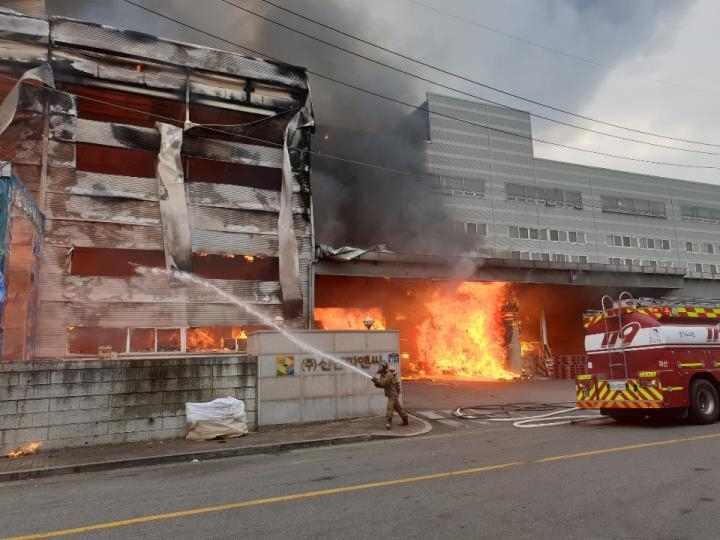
386, 379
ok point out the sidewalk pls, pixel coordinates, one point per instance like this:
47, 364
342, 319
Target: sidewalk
270, 441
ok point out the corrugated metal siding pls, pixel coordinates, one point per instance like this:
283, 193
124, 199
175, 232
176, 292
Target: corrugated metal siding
103, 185
151, 289
240, 243
106, 209
103, 235
137, 314
77, 33
242, 197
243, 221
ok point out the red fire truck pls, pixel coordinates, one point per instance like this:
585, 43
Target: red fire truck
649, 357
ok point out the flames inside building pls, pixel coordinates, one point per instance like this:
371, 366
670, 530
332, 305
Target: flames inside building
461, 329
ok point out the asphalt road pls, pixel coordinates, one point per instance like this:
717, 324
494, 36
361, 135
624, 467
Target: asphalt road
575, 481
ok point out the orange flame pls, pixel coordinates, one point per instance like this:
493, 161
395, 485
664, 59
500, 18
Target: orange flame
238, 333
214, 338
464, 336
249, 258
28, 450
333, 318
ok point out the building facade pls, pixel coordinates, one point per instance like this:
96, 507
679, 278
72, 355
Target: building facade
522, 207
140, 151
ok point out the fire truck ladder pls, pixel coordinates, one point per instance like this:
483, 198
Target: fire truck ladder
613, 310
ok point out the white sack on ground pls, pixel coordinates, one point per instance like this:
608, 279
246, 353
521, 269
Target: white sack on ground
222, 417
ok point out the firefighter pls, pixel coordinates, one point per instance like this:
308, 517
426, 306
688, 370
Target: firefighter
386, 379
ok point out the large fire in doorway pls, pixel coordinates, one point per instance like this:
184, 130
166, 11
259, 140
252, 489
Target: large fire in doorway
447, 330
464, 337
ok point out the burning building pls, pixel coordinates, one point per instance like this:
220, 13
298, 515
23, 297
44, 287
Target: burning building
126, 150
532, 244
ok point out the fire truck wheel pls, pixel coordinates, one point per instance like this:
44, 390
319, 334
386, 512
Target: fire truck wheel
704, 402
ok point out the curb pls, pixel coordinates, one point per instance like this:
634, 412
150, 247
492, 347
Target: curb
205, 455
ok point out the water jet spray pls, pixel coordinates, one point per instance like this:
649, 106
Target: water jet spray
193, 279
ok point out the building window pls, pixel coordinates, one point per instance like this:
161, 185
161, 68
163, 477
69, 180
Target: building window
639, 207
470, 228
699, 213
642, 242
548, 257
551, 235
625, 262
475, 229
547, 196
463, 187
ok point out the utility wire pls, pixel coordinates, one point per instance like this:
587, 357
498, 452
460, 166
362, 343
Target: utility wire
556, 51
466, 79
212, 127
425, 109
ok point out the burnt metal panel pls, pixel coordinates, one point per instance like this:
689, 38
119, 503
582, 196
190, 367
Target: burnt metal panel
106, 69
61, 154
149, 314
153, 289
236, 243
243, 197
293, 166
219, 242
141, 138
103, 209
245, 221
117, 135
173, 202
103, 235
95, 36
8, 108
62, 127
19, 28
102, 185
12, 52
234, 152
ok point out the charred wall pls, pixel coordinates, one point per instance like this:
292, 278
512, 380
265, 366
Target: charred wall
89, 151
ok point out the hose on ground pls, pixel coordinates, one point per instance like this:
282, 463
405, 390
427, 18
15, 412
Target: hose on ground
505, 413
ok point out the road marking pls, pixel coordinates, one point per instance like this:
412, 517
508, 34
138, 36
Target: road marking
431, 415
453, 423
348, 489
260, 502
628, 447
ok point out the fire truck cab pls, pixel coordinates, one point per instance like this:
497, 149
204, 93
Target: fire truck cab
650, 356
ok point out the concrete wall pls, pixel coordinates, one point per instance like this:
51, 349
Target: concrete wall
458, 150
294, 386
76, 403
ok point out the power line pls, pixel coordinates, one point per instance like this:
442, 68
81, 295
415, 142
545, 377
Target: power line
211, 127
425, 109
556, 51
466, 79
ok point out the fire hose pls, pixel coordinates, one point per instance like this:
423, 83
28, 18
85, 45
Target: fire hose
503, 413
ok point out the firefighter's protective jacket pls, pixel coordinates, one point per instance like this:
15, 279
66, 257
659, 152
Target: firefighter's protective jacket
388, 382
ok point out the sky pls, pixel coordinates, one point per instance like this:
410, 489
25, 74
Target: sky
644, 64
